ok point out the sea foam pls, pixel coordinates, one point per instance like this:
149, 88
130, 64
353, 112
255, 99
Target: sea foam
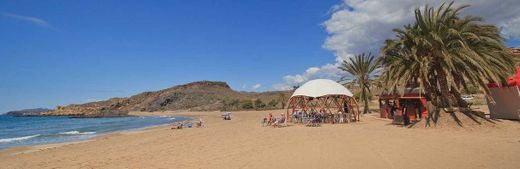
8, 140
76, 133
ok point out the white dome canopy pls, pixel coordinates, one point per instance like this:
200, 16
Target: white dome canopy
321, 87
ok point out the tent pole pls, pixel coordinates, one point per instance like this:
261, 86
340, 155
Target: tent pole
357, 106
288, 108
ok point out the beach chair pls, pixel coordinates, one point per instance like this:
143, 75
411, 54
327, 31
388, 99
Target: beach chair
280, 123
226, 116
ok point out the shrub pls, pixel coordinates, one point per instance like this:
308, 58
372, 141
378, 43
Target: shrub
357, 94
230, 104
273, 103
247, 104
259, 104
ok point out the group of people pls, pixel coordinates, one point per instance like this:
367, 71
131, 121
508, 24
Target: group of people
408, 108
270, 120
313, 118
322, 116
188, 124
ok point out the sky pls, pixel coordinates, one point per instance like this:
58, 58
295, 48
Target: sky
60, 52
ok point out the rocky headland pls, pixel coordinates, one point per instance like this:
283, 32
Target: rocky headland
195, 96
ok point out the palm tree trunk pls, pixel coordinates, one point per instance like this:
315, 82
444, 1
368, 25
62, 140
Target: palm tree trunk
446, 97
364, 95
433, 110
365, 111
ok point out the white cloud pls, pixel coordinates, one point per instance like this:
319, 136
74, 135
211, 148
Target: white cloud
357, 26
256, 86
512, 28
30, 19
328, 71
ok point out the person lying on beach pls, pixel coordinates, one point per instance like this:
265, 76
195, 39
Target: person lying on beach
177, 126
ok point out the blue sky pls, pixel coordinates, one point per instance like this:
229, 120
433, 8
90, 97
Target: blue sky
62, 52
59, 52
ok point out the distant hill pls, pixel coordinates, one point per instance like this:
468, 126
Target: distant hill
27, 112
196, 96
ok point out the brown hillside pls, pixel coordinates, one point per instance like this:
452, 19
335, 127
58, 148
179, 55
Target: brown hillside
196, 96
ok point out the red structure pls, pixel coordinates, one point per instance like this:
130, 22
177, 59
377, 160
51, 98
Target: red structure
404, 109
506, 99
513, 81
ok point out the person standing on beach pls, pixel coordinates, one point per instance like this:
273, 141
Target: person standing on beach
270, 119
200, 122
341, 118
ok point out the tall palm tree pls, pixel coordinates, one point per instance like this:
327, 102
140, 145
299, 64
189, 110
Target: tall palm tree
361, 67
443, 53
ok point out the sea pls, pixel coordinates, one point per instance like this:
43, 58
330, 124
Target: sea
24, 131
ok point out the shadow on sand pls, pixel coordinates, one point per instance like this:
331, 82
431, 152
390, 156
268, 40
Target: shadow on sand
458, 119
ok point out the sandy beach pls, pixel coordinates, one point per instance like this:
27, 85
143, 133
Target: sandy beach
243, 143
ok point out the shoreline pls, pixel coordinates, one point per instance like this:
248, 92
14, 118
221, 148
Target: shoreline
36, 147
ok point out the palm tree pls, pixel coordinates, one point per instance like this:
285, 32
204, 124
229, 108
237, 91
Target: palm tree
361, 67
443, 53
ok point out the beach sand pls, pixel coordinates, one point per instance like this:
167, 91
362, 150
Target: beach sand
243, 143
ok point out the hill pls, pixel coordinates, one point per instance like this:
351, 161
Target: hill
27, 112
195, 96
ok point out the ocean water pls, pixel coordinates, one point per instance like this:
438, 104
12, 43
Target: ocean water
22, 131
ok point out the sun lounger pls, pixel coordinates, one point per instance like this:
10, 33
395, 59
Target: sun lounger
280, 123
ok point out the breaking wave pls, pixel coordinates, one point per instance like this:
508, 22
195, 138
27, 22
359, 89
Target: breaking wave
8, 140
76, 133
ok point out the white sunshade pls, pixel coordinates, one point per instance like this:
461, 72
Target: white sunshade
321, 87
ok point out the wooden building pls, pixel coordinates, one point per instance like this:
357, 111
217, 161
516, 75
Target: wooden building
404, 109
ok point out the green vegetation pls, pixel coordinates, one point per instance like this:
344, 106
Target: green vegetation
443, 53
272, 103
283, 98
230, 104
471, 90
357, 95
247, 104
361, 67
259, 104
